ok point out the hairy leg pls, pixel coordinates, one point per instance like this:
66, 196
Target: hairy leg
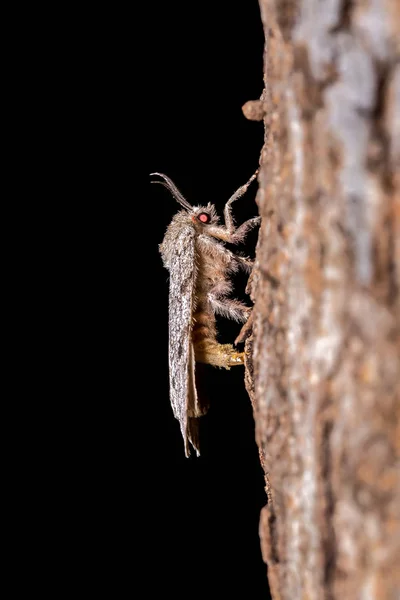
230, 259
219, 355
229, 307
229, 224
240, 233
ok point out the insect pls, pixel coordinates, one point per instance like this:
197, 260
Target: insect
199, 264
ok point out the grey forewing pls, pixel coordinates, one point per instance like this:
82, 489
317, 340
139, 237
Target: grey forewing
181, 297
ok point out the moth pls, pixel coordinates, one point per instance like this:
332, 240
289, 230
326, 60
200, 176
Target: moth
199, 264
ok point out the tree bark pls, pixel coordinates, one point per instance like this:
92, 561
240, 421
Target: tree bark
323, 361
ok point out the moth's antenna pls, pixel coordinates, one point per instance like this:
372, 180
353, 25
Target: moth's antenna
173, 189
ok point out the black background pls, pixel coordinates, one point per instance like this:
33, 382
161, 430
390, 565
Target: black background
170, 81
205, 63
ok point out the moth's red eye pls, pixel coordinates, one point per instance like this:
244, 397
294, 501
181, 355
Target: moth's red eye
204, 217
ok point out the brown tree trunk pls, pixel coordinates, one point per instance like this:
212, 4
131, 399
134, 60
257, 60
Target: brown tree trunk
323, 362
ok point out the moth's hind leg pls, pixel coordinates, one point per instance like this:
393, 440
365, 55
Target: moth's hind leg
219, 355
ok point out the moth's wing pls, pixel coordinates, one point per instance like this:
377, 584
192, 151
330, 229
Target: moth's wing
182, 284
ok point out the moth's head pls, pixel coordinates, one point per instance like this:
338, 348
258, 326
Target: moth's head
200, 216
204, 215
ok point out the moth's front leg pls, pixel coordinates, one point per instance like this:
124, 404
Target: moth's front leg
229, 223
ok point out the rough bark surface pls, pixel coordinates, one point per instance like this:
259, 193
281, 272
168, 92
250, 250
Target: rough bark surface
323, 362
